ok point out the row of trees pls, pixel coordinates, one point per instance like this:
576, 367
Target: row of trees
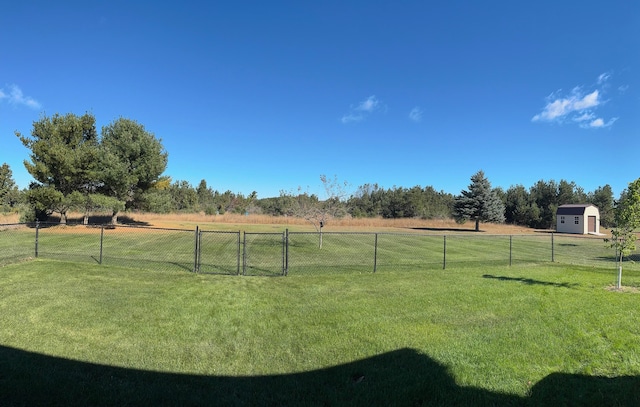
74, 167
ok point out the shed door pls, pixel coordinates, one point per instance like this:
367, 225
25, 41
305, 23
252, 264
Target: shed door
592, 224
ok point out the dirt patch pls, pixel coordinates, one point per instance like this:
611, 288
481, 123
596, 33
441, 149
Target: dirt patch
624, 289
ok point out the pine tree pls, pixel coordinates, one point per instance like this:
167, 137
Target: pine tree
479, 203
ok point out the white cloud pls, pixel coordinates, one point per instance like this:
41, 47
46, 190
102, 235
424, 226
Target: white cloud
561, 107
362, 110
623, 88
416, 114
578, 106
352, 118
368, 105
603, 78
15, 96
599, 123
584, 117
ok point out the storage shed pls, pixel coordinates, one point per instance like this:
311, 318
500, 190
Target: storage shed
578, 218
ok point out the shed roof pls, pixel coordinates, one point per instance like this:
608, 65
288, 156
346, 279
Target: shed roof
573, 209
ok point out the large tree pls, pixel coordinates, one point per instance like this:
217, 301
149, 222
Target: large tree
479, 203
9, 194
624, 235
602, 197
519, 209
64, 156
132, 161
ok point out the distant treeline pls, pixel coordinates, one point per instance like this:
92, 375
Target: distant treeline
533, 207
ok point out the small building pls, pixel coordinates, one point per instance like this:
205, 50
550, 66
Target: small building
578, 218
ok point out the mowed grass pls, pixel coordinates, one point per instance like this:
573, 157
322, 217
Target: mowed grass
85, 334
255, 252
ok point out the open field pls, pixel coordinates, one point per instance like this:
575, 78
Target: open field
269, 250
81, 334
269, 223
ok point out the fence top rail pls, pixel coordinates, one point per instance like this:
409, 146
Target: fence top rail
95, 225
231, 232
463, 235
145, 227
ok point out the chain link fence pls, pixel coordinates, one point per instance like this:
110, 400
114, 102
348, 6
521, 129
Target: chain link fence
278, 254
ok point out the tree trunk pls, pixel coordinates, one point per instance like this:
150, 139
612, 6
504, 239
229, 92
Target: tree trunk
63, 218
477, 224
114, 218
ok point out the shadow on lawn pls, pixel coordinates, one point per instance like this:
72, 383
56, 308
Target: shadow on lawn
531, 281
449, 230
402, 377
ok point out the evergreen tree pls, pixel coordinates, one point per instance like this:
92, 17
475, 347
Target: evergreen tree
602, 197
64, 157
9, 194
479, 203
132, 161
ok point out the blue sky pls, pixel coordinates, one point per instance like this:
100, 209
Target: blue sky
267, 96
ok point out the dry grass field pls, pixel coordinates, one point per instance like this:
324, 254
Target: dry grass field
237, 221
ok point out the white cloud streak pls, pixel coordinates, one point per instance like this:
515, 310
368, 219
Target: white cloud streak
603, 78
416, 114
577, 106
362, 110
598, 123
561, 107
14, 96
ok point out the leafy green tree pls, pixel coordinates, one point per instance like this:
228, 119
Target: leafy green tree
205, 198
545, 195
183, 196
519, 208
91, 203
64, 156
132, 161
9, 193
479, 203
602, 197
43, 201
623, 236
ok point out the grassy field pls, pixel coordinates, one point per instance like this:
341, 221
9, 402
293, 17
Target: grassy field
84, 334
259, 249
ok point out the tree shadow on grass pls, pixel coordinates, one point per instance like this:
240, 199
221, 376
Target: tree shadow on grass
403, 377
449, 229
531, 281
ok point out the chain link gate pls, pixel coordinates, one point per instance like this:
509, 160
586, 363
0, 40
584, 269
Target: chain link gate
218, 252
264, 254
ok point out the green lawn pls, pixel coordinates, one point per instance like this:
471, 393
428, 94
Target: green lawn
89, 334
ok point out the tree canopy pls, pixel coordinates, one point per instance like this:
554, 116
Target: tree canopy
64, 156
72, 164
9, 194
132, 160
480, 202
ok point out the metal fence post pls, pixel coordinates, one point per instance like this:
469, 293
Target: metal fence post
101, 242
195, 253
510, 249
238, 255
286, 251
552, 250
244, 253
37, 233
444, 253
375, 254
